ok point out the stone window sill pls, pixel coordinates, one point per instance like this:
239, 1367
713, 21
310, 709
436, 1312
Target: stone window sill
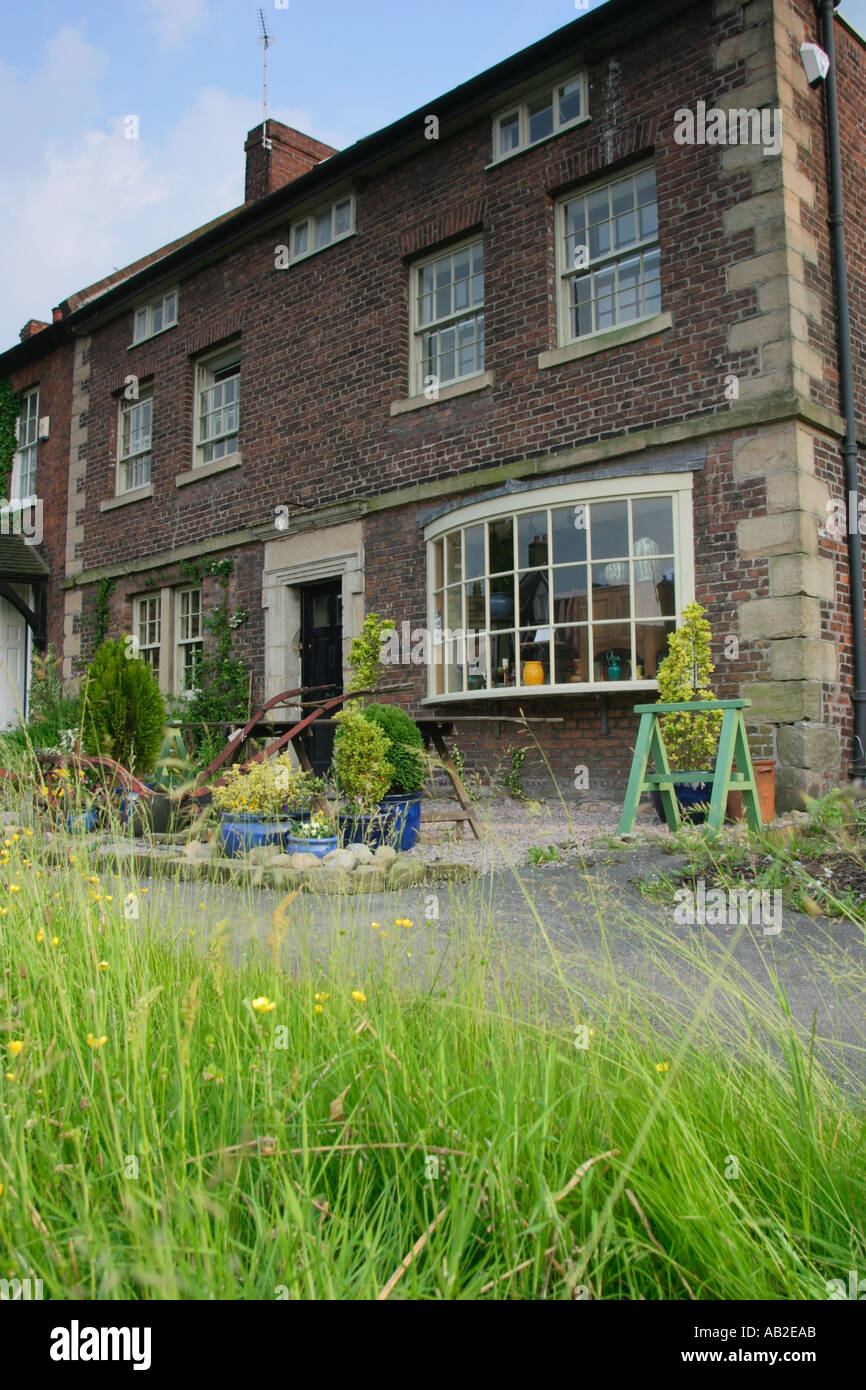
600, 342
207, 470
138, 494
446, 393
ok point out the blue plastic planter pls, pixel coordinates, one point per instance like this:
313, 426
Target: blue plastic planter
241, 832
82, 823
296, 844
372, 830
693, 799
404, 812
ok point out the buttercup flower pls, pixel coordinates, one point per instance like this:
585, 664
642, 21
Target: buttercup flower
320, 998
40, 935
263, 1004
96, 1042
15, 1046
55, 941
359, 996
663, 1066
103, 965
319, 1009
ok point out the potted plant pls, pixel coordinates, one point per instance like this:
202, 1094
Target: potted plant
402, 802
251, 805
316, 836
690, 738
124, 712
363, 774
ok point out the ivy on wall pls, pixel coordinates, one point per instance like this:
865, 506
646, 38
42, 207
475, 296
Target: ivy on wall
10, 407
99, 621
221, 681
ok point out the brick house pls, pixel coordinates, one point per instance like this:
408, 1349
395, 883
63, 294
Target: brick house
526, 372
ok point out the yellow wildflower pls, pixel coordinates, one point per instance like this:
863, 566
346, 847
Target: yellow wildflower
29, 834
359, 996
320, 998
15, 1046
103, 965
40, 935
263, 1004
10, 1076
96, 1042
663, 1066
14, 887
55, 941
319, 1008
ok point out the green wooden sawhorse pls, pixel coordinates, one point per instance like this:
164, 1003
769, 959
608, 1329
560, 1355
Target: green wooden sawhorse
733, 747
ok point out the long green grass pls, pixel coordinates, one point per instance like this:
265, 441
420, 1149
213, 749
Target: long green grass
163, 1138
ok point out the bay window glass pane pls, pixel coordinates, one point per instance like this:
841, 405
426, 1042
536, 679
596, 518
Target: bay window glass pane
651, 644
540, 119
532, 540
170, 308
653, 525
534, 590
474, 551
454, 608
156, 325
535, 648
453, 558
612, 651
569, 533
653, 588
569, 594
438, 563
502, 668
569, 101
571, 656
500, 539
502, 602
343, 217
609, 534
476, 605
141, 323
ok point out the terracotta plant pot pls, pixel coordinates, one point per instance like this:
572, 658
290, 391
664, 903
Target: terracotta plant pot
765, 781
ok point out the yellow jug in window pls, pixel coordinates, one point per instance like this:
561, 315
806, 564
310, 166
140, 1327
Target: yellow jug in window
533, 673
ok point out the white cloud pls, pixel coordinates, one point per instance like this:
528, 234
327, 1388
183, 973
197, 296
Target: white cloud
174, 21
78, 201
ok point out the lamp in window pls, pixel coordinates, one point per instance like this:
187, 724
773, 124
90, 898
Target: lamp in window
644, 569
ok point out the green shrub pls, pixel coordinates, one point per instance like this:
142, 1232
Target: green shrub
361, 765
365, 654
684, 675
124, 715
406, 754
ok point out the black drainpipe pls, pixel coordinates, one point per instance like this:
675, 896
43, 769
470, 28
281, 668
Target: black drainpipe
849, 447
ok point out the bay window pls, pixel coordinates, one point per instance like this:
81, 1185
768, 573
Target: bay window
574, 588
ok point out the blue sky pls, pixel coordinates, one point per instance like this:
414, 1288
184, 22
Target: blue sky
77, 199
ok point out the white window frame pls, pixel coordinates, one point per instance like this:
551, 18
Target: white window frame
207, 368
149, 312
521, 109
126, 409
310, 222
418, 375
183, 641
147, 614
26, 457
567, 273
676, 485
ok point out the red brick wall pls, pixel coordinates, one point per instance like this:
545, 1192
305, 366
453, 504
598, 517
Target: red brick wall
53, 376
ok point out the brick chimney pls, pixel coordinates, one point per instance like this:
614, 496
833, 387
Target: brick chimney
31, 328
291, 155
